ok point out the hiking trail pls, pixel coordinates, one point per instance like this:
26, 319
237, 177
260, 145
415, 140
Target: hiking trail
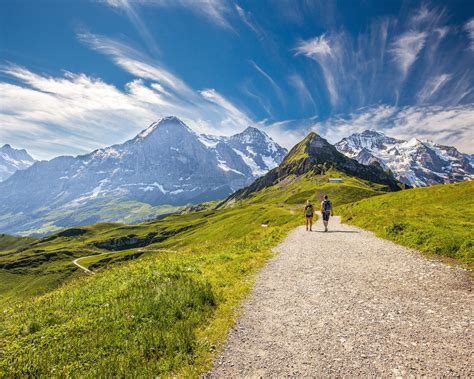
346, 303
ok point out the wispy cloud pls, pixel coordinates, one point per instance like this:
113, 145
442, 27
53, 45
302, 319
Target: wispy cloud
215, 97
272, 82
406, 48
432, 87
320, 50
304, 94
68, 114
315, 48
137, 21
394, 61
216, 11
469, 28
246, 18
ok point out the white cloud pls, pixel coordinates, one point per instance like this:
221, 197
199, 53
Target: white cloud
180, 98
319, 49
233, 112
405, 49
469, 28
272, 82
302, 90
245, 17
315, 48
75, 113
432, 87
215, 11
137, 22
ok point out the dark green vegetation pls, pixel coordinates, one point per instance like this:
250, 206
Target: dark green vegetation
9, 243
438, 220
165, 292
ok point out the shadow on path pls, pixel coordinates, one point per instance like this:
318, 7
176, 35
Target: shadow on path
334, 231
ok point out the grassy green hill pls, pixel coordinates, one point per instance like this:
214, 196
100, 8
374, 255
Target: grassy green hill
438, 220
9, 243
166, 311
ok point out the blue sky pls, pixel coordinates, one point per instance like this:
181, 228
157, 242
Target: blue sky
81, 74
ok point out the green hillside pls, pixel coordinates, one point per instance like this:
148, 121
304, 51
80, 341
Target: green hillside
438, 220
164, 313
9, 243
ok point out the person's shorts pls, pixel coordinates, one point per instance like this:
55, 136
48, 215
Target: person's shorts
309, 216
326, 216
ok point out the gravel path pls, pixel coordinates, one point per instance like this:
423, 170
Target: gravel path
346, 303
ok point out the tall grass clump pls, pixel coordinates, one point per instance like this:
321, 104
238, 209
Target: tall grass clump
137, 320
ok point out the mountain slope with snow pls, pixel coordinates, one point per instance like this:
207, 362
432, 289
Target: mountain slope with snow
12, 160
414, 162
166, 164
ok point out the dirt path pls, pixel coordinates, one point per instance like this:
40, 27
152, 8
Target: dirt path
85, 269
345, 303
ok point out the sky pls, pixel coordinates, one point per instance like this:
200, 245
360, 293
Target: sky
83, 74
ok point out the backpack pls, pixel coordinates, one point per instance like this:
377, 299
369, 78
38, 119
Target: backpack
309, 210
327, 205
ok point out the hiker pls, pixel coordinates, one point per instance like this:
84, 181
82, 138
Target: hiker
326, 211
308, 214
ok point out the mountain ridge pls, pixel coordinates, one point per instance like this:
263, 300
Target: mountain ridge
415, 162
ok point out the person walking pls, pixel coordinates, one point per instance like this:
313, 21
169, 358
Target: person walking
308, 214
326, 211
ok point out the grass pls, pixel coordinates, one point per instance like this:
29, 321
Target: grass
437, 220
162, 315
11, 243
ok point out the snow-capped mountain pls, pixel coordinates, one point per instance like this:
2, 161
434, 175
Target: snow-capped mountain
12, 160
257, 150
414, 162
167, 163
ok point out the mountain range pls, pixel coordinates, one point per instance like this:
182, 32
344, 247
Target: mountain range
414, 162
314, 155
12, 160
168, 165
165, 165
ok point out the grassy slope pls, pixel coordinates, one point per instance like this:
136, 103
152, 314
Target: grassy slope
9, 243
438, 220
163, 314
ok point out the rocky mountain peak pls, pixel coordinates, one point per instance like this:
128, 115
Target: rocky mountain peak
5, 147
170, 124
251, 135
12, 159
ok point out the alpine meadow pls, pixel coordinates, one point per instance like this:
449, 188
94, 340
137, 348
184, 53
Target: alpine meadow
236, 189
